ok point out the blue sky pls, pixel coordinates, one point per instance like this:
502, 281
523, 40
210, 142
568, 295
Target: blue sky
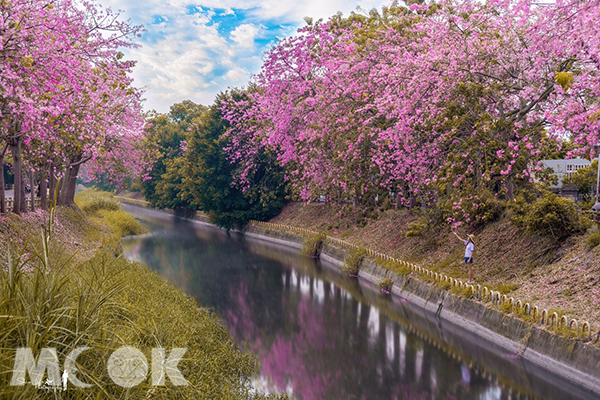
195, 49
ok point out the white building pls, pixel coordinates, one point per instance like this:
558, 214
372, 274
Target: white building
563, 168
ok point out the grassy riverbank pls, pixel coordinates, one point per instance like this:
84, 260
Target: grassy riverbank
563, 277
77, 291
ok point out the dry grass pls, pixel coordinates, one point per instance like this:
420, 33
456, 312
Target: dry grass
102, 207
70, 289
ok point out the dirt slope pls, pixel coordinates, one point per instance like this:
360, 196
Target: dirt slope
564, 277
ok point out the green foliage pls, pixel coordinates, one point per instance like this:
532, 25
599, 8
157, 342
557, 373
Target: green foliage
9, 177
549, 215
585, 180
425, 228
353, 261
593, 239
208, 177
49, 300
170, 186
555, 149
192, 170
476, 209
313, 245
488, 208
418, 228
385, 284
564, 79
103, 183
166, 140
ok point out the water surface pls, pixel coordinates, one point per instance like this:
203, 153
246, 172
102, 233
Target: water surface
320, 335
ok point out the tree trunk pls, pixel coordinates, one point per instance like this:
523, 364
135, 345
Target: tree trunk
72, 184
15, 149
510, 190
67, 190
44, 188
2, 183
23, 192
413, 200
33, 188
62, 187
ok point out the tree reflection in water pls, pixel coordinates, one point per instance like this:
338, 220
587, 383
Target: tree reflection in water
332, 346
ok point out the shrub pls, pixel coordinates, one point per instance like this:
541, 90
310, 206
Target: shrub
385, 284
549, 215
313, 245
418, 228
386, 204
593, 239
353, 261
584, 179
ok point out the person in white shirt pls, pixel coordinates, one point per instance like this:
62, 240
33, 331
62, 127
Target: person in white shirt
469, 249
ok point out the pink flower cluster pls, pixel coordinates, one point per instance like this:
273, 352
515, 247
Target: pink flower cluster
66, 95
438, 99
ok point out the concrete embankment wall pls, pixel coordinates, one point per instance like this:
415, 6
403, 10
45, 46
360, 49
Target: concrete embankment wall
573, 359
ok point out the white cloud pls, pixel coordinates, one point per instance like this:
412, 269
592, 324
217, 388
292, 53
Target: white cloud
193, 49
237, 74
228, 11
245, 34
294, 11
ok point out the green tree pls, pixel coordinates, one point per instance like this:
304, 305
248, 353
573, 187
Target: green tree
209, 174
166, 140
585, 180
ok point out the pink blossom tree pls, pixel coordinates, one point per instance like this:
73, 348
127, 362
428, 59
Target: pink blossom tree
449, 102
63, 87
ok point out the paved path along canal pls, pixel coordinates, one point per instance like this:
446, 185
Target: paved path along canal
320, 335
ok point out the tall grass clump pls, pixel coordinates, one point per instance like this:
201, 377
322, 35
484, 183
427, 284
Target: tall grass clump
103, 205
386, 284
122, 223
49, 300
93, 200
313, 245
353, 261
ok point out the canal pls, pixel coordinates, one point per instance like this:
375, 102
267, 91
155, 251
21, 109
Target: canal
320, 335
